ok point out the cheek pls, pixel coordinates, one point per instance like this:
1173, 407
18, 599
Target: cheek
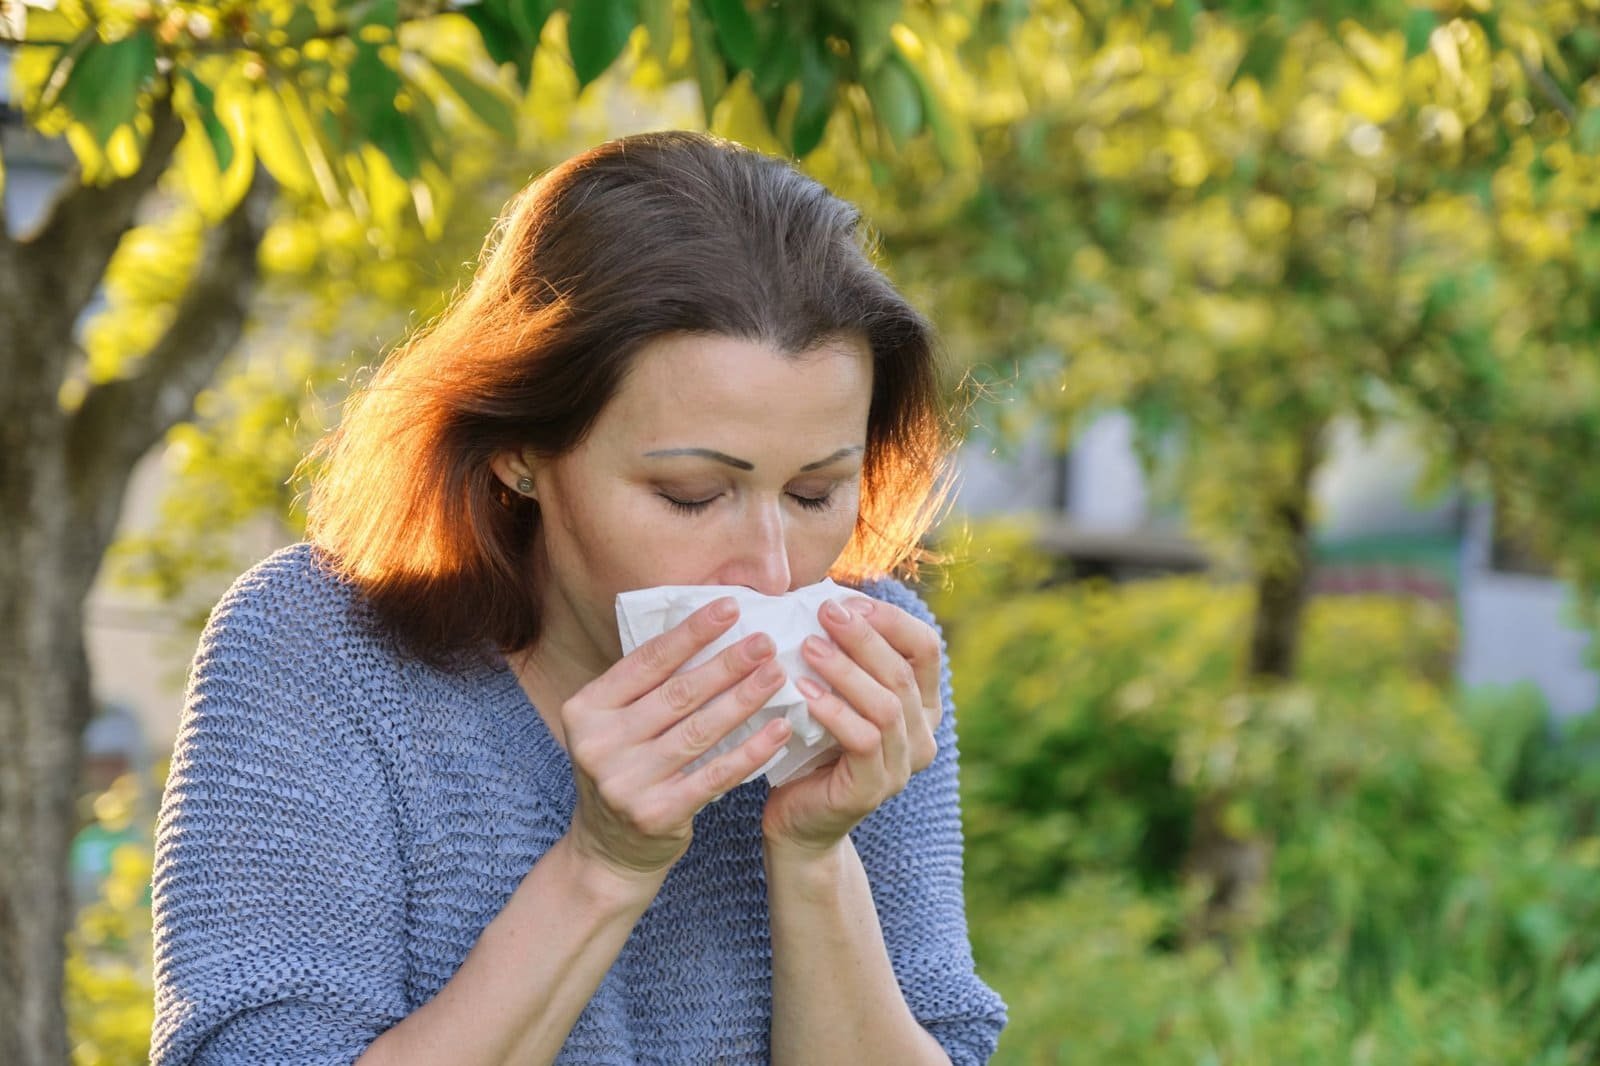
815, 548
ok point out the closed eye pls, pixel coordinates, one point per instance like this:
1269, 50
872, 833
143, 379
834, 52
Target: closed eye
687, 506
813, 503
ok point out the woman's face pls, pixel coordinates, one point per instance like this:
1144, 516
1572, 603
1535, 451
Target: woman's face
719, 461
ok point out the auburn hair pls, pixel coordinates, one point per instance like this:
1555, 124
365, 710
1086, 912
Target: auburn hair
640, 237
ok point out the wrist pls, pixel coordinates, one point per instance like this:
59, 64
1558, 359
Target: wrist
612, 886
816, 868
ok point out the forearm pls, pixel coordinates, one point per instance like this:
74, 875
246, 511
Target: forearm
531, 972
834, 993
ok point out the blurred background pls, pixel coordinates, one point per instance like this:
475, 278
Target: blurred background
1271, 568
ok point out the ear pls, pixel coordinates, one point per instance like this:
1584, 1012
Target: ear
514, 472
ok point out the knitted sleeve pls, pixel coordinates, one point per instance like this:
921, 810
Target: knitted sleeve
911, 850
278, 898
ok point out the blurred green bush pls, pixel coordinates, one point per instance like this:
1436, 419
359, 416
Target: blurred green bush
1433, 894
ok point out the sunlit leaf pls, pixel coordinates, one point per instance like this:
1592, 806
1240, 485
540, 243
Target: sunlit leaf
216, 132
276, 142
492, 109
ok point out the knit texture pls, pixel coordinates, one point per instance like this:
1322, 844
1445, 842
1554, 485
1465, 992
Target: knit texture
341, 822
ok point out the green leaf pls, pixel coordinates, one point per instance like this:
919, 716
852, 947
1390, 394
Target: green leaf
656, 18
817, 81
500, 37
736, 32
896, 99
205, 101
1261, 56
1579, 990
1419, 25
393, 136
873, 21
492, 109
1589, 132
102, 91
945, 138
528, 18
779, 66
596, 35
61, 69
710, 70
1180, 24
373, 85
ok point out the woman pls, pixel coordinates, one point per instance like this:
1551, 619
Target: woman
423, 810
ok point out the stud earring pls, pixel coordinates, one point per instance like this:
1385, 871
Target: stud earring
525, 486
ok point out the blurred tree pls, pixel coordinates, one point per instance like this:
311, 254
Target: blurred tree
1257, 219
219, 112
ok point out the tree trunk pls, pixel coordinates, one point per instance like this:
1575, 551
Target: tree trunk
63, 474
44, 706
1234, 866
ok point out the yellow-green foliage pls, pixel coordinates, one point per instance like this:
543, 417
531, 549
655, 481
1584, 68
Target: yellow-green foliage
109, 992
1412, 913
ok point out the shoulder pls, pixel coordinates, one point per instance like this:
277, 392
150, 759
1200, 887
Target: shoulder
292, 612
290, 597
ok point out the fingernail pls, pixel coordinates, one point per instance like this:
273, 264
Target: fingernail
769, 674
724, 609
760, 646
834, 612
809, 688
861, 607
818, 647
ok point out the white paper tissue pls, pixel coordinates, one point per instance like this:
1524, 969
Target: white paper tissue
788, 619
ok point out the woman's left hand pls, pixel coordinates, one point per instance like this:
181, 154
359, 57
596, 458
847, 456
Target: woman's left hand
883, 665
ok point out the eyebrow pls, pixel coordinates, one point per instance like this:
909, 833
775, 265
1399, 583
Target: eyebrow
744, 464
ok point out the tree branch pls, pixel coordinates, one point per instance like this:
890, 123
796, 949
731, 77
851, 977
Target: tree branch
120, 420
1548, 88
67, 257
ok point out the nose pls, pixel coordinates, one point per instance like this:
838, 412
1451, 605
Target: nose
760, 556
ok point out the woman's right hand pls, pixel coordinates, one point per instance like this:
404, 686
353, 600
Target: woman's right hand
632, 731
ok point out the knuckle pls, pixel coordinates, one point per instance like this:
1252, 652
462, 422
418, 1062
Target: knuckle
904, 678
586, 752
696, 736
653, 653
718, 776
652, 818
678, 693
613, 795
886, 710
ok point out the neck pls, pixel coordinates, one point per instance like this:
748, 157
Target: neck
554, 668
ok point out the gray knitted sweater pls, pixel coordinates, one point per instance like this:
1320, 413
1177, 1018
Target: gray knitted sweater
341, 822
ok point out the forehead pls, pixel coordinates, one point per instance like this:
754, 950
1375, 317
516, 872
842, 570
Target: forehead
691, 389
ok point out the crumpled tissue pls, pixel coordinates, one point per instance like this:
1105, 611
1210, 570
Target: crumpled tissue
788, 619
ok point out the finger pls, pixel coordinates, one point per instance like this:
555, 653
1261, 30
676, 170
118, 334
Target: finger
855, 734
915, 640
708, 726
684, 693
869, 650
866, 696
719, 775
658, 658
